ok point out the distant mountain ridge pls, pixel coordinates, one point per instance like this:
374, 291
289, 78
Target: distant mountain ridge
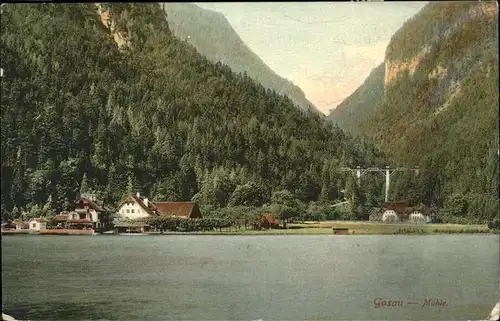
212, 35
358, 107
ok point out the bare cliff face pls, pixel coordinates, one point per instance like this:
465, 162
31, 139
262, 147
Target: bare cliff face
106, 18
435, 105
451, 24
438, 50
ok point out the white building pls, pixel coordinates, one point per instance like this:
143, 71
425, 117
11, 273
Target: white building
86, 211
417, 217
134, 207
37, 224
390, 216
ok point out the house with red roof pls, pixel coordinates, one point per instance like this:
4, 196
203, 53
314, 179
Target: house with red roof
268, 221
178, 209
137, 206
86, 212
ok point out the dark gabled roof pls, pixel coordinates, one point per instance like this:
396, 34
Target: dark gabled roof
80, 220
86, 201
402, 208
90, 203
175, 208
398, 207
62, 218
150, 208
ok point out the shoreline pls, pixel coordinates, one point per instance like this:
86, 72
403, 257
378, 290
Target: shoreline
263, 233
317, 228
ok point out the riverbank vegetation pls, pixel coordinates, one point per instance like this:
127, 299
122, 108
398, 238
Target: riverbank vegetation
126, 106
154, 116
249, 224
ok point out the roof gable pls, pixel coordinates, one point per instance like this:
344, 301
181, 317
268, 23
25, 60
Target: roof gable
268, 217
398, 207
62, 218
150, 209
82, 201
175, 208
92, 204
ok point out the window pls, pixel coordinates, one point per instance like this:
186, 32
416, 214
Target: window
132, 210
34, 225
128, 211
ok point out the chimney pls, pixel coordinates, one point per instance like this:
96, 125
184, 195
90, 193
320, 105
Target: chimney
146, 202
138, 195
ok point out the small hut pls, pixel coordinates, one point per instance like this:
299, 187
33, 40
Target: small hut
340, 231
38, 224
268, 221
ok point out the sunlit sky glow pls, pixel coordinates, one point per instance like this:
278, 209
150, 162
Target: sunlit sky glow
326, 48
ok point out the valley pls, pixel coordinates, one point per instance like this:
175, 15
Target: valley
154, 167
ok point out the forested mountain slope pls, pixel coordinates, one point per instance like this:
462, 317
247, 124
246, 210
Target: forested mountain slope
212, 35
440, 108
106, 92
359, 106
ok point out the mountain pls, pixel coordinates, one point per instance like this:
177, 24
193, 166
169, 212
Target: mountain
105, 96
358, 107
440, 108
212, 35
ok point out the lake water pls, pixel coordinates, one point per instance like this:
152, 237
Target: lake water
248, 277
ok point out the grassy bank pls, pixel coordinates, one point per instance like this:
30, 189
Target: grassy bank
356, 228
396, 228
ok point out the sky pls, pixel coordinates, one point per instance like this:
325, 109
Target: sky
326, 48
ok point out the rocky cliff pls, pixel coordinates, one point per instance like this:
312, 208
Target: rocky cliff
439, 108
451, 38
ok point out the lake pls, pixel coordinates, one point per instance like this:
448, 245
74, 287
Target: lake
320, 277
